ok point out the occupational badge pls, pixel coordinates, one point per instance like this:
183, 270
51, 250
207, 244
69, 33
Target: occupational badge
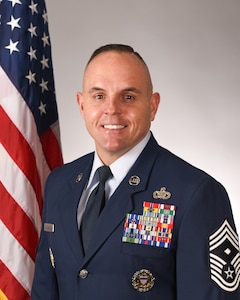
154, 227
225, 257
143, 280
162, 194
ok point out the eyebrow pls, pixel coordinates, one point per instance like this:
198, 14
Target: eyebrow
95, 89
132, 89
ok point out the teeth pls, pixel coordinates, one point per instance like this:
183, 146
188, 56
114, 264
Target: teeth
113, 126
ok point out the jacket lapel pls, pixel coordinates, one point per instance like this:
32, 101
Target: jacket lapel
68, 209
121, 201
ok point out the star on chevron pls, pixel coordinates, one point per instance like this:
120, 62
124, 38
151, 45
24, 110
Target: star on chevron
32, 53
33, 7
42, 108
43, 85
31, 77
32, 30
12, 46
14, 23
229, 273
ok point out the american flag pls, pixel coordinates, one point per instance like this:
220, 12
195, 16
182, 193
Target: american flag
29, 136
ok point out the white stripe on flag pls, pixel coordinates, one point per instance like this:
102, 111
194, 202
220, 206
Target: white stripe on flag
22, 192
19, 262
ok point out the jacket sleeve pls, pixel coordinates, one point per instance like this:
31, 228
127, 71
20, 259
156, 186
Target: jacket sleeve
208, 259
45, 282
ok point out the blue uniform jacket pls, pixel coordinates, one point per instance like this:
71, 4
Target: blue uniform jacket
194, 255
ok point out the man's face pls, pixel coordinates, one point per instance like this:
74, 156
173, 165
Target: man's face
117, 103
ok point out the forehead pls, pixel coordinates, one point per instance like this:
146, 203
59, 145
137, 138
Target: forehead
115, 59
115, 66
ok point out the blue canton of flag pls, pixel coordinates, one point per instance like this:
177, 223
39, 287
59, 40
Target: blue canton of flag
25, 45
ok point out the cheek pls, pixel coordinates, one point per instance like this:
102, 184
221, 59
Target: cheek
91, 118
88, 112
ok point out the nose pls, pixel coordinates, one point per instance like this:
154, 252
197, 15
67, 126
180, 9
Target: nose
113, 106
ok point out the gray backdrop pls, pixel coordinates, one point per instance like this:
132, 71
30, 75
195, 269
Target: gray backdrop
193, 52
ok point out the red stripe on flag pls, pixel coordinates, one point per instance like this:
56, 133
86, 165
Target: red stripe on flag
10, 286
51, 149
21, 226
20, 151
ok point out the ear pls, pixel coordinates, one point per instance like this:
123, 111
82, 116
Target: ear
80, 101
155, 100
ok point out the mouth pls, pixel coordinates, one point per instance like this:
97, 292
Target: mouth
113, 127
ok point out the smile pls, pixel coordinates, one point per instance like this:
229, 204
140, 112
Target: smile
114, 126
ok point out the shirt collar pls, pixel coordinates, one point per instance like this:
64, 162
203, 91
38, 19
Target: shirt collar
126, 160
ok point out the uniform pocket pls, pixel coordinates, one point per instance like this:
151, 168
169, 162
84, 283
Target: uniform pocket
145, 250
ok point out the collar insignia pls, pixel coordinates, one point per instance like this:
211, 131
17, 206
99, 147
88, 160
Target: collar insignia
79, 177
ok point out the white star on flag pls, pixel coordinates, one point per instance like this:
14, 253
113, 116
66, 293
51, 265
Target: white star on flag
12, 46
14, 23
32, 53
33, 7
32, 30
43, 85
45, 39
44, 62
45, 17
15, 2
31, 77
42, 108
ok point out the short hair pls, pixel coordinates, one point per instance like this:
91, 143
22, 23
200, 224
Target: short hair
117, 48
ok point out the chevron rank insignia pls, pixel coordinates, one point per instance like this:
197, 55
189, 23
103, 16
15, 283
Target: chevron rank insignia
225, 257
154, 227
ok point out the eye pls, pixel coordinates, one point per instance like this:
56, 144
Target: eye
98, 96
129, 97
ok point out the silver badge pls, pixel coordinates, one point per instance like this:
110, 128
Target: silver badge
225, 257
134, 180
162, 194
143, 280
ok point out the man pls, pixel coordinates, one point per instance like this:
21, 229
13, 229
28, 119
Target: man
166, 231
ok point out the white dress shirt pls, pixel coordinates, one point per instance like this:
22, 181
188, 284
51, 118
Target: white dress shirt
118, 171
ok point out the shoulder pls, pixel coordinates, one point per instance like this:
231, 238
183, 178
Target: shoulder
175, 169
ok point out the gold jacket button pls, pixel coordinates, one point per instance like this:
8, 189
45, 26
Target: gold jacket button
83, 273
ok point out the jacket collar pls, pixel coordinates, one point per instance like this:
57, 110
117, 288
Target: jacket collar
115, 211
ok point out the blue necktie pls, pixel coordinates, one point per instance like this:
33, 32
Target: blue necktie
95, 204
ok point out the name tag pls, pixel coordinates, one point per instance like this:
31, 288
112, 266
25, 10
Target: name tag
48, 227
